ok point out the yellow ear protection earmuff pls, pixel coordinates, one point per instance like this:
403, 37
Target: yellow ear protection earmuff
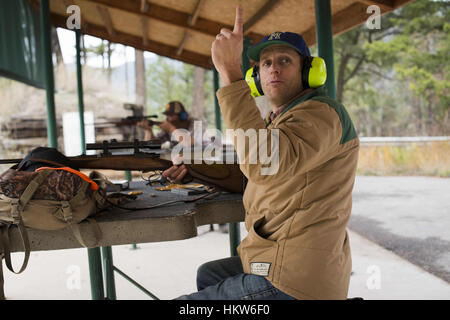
314, 75
314, 72
254, 81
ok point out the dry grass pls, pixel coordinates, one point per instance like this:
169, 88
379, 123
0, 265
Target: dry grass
427, 159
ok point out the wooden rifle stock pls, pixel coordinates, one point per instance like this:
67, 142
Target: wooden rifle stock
225, 176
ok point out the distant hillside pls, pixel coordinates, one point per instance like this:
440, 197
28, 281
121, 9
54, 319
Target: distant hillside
123, 79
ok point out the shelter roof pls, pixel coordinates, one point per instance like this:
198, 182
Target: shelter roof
185, 29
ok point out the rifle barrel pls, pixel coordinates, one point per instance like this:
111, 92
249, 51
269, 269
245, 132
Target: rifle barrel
113, 162
128, 121
9, 161
120, 162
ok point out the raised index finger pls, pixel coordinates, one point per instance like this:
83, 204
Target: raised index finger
238, 21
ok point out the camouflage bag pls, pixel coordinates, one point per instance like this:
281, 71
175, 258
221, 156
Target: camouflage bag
48, 198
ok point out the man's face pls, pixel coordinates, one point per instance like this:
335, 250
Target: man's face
172, 117
280, 71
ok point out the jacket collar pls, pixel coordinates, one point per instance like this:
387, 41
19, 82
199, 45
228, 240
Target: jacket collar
301, 97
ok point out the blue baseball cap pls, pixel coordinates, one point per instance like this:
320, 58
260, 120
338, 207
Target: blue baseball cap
290, 39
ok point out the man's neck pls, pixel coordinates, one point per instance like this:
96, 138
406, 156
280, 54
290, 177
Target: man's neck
278, 108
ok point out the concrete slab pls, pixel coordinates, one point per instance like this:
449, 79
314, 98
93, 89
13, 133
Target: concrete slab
168, 270
382, 275
407, 215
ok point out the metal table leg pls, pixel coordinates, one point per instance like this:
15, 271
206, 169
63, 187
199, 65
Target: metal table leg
95, 272
108, 269
235, 237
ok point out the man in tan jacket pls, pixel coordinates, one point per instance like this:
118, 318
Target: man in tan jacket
297, 246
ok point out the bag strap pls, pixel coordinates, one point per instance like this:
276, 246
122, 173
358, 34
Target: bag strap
6, 249
75, 228
16, 207
2, 280
32, 187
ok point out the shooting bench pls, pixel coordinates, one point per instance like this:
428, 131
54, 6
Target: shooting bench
172, 222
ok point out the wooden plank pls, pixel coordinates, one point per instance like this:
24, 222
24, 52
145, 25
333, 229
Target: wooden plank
191, 21
351, 17
136, 42
385, 5
348, 18
171, 16
106, 17
144, 6
259, 14
182, 43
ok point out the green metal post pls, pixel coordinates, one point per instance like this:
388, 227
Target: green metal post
52, 132
80, 92
325, 42
129, 178
216, 110
95, 272
245, 61
216, 102
108, 270
94, 257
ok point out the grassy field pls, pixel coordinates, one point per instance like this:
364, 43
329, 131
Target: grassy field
424, 159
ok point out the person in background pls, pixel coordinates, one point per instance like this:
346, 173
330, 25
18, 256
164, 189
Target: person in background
176, 118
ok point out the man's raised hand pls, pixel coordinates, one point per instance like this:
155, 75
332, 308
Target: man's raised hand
226, 51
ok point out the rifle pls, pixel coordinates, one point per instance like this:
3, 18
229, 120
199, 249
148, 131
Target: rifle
130, 121
225, 176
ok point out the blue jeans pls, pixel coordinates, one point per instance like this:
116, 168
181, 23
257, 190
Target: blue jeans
225, 279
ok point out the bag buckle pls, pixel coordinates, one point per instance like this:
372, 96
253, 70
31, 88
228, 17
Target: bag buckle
67, 211
15, 211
